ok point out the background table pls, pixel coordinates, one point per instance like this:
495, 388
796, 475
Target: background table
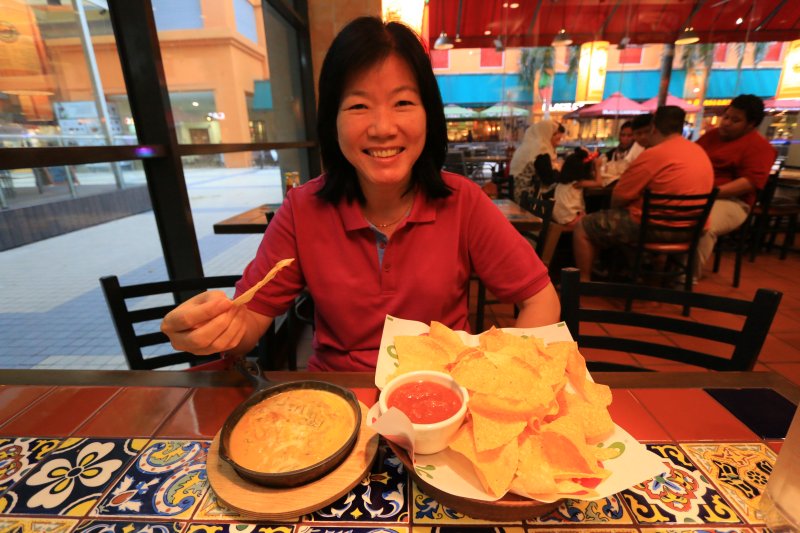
125, 451
255, 220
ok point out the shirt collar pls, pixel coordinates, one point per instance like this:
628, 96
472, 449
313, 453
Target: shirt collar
424, 210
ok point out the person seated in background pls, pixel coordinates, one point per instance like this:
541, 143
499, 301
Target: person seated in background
742, 159
641, 126
628, 149
577, 172
672, 165
535, 158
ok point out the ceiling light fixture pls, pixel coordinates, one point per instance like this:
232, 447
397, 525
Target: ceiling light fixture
562, 38
739, 21
687, 36
443, 42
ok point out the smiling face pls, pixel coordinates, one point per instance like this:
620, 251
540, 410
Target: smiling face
734, 124
381, 124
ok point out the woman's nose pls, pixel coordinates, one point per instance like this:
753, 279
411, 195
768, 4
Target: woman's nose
383, 123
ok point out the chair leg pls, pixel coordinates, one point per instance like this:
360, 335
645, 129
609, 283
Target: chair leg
718, 253
788, 238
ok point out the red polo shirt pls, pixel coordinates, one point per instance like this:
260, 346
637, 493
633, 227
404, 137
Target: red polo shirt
424, 275
750, 156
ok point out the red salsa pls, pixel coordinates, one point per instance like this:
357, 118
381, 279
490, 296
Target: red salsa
425, 402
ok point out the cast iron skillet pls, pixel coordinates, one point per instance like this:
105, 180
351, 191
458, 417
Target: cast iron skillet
264, 389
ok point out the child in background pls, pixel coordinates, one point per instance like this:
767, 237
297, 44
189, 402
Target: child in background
578, 172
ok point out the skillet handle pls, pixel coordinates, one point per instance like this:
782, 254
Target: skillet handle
252, 371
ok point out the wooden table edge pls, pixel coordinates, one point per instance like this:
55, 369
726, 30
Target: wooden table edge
161, 378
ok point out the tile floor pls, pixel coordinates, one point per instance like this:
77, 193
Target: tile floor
53, 315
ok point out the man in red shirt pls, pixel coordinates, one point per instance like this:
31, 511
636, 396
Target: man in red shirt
742, 159
671, 165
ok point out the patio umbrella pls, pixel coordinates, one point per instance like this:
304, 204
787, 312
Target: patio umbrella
452, 111
782, 104
503, 110
652, 104
614, 105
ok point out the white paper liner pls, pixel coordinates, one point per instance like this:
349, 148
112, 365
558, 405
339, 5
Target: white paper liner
451, 472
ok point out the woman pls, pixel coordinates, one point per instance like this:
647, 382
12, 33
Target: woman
536, 159
383, 231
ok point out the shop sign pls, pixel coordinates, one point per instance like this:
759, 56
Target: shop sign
592, 72
789, 83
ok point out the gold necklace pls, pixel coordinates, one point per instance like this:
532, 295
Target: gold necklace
388, 224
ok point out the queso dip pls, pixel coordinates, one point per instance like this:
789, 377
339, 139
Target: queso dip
291, 431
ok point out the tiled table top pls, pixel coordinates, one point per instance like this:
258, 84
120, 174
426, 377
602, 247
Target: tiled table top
124, 459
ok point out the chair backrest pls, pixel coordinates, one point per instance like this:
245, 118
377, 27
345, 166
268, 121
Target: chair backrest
744, 342
542, 207
675, 218
137, 311
454, 162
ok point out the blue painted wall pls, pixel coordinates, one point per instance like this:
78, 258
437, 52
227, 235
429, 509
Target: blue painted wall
245, 19
488, 89
177, 14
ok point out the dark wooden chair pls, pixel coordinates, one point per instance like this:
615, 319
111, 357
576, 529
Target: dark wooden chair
454, 162
745, 342
137, 311
679, 220
542, 207
763, 219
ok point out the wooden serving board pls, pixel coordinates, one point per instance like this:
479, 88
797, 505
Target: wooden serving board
509, 508
250, 499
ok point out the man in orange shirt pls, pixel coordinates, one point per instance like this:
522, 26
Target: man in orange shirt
671, 165
742, 159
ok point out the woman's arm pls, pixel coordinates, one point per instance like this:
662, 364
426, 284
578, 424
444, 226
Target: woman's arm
541, 309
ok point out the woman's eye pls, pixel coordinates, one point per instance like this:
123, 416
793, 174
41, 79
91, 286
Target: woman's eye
354, 106
405, 103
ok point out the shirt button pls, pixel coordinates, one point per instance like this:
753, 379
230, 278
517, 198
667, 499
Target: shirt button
386, 268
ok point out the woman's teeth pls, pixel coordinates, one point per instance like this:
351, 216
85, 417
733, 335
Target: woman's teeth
388, 152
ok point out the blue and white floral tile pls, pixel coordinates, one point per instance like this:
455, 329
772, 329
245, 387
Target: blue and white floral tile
129, 526
36, 525
380, 497
167, 480
740, 472
682, 494
19, 455
606, 511
427, 510
71, 479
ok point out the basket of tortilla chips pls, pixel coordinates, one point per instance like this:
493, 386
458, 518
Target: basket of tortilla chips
537, 430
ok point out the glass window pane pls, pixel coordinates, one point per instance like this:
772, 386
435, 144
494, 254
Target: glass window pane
223, 86
51, 73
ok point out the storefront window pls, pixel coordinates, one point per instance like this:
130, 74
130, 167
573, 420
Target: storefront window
60, 78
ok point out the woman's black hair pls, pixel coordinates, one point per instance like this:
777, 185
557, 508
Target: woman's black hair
363, 43
574, 167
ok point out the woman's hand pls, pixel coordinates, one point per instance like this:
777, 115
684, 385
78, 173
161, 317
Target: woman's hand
205, 324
